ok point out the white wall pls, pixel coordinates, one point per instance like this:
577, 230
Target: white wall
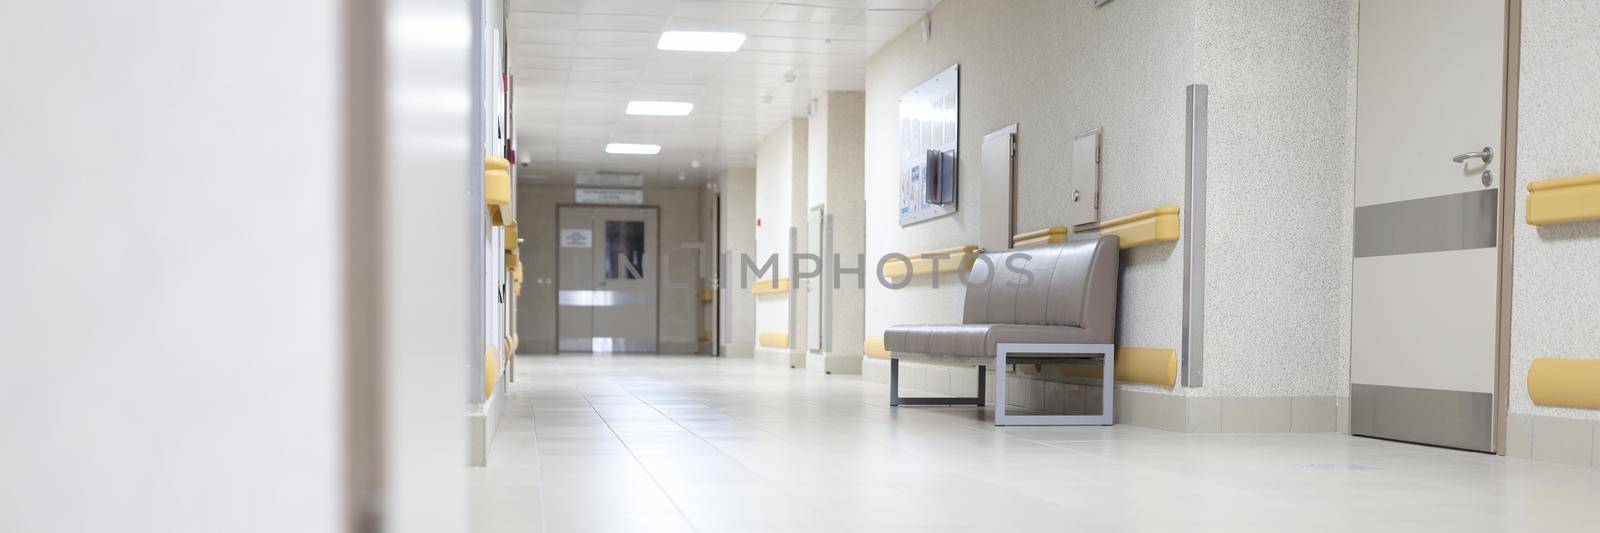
193, 203
172, 299
1056, 69
1556, 287
1281, 76
780, 199
739, 239
1280, 177
835, 178
432, 177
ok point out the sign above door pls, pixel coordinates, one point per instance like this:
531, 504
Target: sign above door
610, 196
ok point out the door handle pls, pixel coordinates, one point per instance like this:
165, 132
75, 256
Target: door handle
1487, 155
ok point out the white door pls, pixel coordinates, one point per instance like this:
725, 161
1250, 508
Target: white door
607, 271
1424, 318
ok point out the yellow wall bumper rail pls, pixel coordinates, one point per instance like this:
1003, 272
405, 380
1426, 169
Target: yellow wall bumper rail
957, 259
1571, 199
491, 371
511, 236
1565, 383
873, 347
774, 340
1154, 366
1145, 227
1037, 237
497, 189
766, 286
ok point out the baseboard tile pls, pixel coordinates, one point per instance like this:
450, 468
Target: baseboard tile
738, 350
1519, 436
780, 357
1204, 415
826, 363
678, 347
1567, 441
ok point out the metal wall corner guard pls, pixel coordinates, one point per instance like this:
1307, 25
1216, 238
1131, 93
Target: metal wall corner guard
1194, 246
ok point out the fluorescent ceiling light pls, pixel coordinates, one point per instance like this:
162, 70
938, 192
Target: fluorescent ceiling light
700, 41
633, 149
660, 109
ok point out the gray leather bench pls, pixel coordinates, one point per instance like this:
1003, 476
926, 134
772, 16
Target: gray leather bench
1067, 315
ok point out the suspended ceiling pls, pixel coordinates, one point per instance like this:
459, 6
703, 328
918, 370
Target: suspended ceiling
577, 64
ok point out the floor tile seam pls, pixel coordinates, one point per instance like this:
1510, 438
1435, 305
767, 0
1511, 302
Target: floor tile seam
779, 486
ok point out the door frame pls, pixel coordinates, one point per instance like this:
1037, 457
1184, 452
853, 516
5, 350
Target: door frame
1508, 210
556, 238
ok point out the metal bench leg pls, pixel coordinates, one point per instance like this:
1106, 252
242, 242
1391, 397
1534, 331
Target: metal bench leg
894, 382
983, 378
1108, 355
895, 400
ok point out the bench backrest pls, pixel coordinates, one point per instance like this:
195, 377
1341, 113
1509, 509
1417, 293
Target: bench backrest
1074, 284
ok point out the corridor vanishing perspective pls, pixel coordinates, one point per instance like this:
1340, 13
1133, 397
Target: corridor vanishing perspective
800, 266
684, 443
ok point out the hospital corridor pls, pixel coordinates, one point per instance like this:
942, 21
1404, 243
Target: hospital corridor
794, 266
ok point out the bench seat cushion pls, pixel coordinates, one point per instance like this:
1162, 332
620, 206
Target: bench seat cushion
975, 340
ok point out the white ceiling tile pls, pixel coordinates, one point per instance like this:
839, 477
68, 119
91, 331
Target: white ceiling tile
785, 58
542, 36
897, 19
603, 64
541, 21
709, 24
555, 6
861, 32
524, 77
572, 84
674, 89
618, 38
521, 62
802, 13
840, 46
542, 50
621, 22
614, 52
628, 7
922, 5
534, 87
814, 30
720, 10
602, 75
781, 44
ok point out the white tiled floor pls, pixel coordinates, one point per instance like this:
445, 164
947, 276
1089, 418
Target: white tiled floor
658, 443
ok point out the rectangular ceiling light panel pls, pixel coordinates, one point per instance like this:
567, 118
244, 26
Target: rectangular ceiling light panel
633, 149
700, 41
659, 109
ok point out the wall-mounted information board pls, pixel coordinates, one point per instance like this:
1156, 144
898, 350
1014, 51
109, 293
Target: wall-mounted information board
929, 127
